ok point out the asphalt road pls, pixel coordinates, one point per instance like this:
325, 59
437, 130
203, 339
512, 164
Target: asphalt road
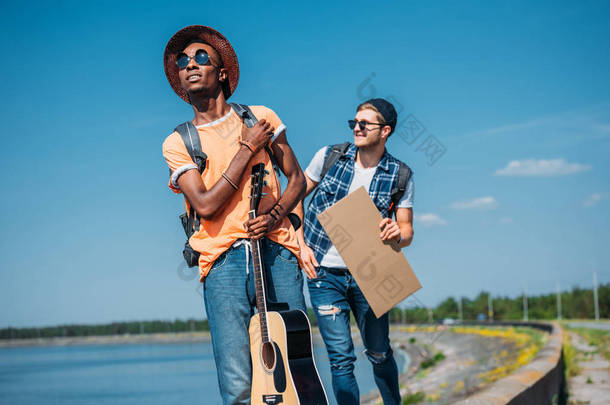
590, 325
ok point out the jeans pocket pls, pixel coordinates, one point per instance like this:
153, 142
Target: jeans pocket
285, 255
320, 274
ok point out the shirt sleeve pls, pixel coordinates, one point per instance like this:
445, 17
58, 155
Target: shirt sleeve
177, 158
314, 170
406, 200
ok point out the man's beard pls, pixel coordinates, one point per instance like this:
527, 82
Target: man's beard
373, 144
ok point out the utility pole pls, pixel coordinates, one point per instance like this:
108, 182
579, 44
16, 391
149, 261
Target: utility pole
525, 312
460, 314
595, 296
430, 316
558, 302
490, 307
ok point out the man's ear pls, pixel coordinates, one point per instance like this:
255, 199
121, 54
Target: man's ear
386, 131
222, 75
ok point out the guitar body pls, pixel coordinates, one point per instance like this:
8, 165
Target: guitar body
289, 375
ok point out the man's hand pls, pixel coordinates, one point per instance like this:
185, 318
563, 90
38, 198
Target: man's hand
258, 135
260, 226
389, 229
309, 261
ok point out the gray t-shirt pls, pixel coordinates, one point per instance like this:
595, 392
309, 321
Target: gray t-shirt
362, 178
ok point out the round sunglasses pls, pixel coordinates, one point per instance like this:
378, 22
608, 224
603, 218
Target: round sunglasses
201, 58
362, 124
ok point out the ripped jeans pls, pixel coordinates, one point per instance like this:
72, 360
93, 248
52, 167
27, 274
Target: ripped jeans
333, 294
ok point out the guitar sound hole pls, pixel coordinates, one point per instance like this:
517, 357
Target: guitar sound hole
268, 355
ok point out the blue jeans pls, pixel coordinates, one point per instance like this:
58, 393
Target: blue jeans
230, 301
333, 294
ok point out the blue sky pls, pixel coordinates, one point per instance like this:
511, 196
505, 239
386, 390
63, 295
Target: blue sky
516, 93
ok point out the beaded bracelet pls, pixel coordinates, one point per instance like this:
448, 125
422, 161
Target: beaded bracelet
277, 211
229, 180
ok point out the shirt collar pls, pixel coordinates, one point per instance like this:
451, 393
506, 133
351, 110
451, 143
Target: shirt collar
218, 121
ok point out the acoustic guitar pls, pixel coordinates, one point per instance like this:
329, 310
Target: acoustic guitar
283, 368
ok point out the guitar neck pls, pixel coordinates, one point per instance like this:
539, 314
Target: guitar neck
259, 282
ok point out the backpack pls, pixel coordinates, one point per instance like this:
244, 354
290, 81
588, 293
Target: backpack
188, 132
398, 190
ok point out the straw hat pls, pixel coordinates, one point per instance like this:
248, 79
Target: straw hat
216, 40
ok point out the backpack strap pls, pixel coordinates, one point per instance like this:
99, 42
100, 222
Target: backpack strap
404, 174
190, 137
336, 152
250, 119
245, 113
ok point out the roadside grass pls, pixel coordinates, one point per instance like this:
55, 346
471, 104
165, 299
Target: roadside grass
413, 398
598, 338
570, 357
432, 361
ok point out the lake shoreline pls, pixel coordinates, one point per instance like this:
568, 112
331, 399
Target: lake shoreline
170, 337
402, 350
154, 338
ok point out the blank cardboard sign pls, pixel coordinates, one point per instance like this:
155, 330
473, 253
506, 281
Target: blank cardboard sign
380, 269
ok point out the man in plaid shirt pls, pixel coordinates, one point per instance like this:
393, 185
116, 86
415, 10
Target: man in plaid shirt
333, 291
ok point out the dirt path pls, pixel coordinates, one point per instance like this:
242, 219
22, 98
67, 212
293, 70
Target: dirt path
592, 385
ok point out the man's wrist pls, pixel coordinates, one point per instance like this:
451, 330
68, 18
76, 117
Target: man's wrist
247, 145
273, 223
277, 211
246, 150
273, 216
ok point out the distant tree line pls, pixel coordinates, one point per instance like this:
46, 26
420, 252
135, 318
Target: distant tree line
115, 328
576, 304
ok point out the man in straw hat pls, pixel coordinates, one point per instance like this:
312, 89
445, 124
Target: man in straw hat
202, 68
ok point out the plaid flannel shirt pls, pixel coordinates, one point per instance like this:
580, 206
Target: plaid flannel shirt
335, 185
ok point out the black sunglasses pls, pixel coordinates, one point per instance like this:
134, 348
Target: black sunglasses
201, 58
362, 124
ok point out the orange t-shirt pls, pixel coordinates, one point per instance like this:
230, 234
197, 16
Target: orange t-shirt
220, 142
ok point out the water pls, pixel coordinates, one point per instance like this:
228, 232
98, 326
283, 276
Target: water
129, 374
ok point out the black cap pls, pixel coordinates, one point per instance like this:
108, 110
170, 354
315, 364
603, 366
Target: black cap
386, 109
